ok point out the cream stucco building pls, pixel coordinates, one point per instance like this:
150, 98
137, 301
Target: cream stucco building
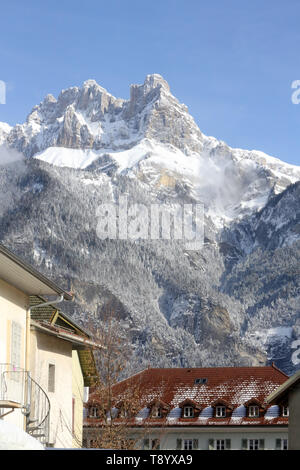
62, 362
46, 359
18, 281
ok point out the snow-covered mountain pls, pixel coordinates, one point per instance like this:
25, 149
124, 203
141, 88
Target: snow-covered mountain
151, 136
4, 131
87, 147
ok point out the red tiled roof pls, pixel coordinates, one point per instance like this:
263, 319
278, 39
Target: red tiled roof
232, 385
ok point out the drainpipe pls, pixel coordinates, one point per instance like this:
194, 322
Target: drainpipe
28, 316
27, 353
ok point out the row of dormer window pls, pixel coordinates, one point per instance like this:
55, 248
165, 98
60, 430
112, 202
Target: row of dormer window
189, 411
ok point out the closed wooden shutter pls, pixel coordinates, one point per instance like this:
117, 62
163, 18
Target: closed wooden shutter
155, 444
51, 378
16, 341
195, 444
244, 444
227, 444
179, 444
278, 444
261, 444
211, 444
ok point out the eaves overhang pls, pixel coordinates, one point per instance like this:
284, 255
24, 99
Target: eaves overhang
24, 277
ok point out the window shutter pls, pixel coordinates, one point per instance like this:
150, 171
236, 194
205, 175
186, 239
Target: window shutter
195, 444
146, 444
244, 444
278, 444
211, 444
179, 444
51, 378
261, 444
155, 444
227, 444
16, 338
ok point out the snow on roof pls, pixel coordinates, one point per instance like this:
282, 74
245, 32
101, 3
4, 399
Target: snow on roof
234, 386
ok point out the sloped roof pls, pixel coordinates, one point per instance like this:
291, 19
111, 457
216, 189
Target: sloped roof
51, 320
233, 385
25, 277
54, 315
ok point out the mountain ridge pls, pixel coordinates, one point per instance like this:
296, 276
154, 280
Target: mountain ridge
87, 148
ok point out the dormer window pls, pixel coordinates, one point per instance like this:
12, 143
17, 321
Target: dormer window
124, 413
189, 408
221, 408
285, 411
188, 411
254, 408
122, 409
253, 411
156, 413
200, 381
94, 412
220, 411
158, 409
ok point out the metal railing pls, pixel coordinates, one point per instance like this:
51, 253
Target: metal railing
13, 381
38, 414
19, 390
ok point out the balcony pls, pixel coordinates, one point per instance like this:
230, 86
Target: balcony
13, 382
19, 391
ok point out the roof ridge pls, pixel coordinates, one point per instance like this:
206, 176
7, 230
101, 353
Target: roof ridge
279, 370
217, 367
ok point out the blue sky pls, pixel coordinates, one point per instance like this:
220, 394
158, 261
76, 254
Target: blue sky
231, 62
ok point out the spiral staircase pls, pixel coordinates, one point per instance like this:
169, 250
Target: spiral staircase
18, 390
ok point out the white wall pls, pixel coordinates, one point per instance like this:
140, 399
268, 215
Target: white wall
47, 349
168, 440
13, 305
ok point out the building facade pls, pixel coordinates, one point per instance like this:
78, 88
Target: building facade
288, 396
18, 392
62, 362
198, 409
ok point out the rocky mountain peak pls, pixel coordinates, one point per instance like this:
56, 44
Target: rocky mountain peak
154, 81
89, 117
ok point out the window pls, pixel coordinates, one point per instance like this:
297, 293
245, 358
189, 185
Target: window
281, 444
219, 444
93, 444
285, 411
201, 381
253, 444
220, 411
187, 444
94, 412
188, 412
253, 411
124, 413
51, 378
153, 444
156, 413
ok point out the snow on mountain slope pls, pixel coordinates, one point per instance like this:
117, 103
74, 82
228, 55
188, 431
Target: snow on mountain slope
86, 148
151, 137
230, 182
4, 131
